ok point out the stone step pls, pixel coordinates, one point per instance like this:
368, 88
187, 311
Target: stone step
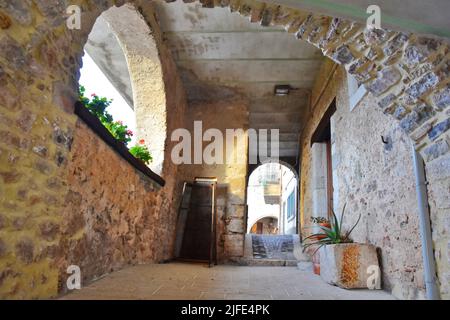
268, 263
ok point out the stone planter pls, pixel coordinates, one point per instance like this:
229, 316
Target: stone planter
349, 265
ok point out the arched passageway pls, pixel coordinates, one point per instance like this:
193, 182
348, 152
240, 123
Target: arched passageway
81, 202
127, 218
145, 82
272, 192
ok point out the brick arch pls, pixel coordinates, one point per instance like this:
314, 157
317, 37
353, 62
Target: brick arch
407, 74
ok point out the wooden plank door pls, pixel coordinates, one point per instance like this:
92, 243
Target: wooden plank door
197, 234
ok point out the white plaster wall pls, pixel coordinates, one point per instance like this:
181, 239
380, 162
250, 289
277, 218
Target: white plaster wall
257, 208
289, 185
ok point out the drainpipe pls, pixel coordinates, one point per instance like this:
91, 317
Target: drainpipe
429, 267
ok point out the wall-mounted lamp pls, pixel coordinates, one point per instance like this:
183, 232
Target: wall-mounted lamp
283, 89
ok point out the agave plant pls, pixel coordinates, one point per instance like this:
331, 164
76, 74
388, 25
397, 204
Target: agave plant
332, 235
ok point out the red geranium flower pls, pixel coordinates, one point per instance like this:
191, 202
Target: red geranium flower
142, 141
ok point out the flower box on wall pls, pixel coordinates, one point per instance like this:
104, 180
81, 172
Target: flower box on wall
350, 265
94, 123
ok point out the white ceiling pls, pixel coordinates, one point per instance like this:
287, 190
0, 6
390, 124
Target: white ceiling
224, 48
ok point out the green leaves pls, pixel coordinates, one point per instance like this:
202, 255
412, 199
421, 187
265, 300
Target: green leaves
141, 152
98, 106
332, 234
119, 131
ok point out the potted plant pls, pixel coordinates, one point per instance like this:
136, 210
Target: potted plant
140, 151
342, 262
322, 222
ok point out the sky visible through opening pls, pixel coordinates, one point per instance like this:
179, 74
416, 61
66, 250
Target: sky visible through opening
94, 80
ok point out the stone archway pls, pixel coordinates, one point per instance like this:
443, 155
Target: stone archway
254, 221
263, 203
252, 168
149, 94
407, 74
39, 65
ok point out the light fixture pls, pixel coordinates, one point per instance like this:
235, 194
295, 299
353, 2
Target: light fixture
282, 89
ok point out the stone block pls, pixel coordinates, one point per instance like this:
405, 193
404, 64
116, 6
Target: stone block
387, 101
236, 211
416, 90
25, 250
343, 55
348, 265
54, 11
234, 245
436, 150
439, 129
415, 118
12, 52
236, 226
385, 79
395, 44
442, 97
420, 132
19, 10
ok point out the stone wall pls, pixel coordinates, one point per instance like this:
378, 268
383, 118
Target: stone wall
373, 179
438, 177
65, 197
113, 215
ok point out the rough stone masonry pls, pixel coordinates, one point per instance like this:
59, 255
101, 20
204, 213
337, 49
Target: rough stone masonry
40, 59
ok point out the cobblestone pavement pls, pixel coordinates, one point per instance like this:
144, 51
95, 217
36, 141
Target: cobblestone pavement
273, 247
183, 281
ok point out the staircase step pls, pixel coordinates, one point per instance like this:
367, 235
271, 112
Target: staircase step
268, 263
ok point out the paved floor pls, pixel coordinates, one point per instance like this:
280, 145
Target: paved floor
182, 281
